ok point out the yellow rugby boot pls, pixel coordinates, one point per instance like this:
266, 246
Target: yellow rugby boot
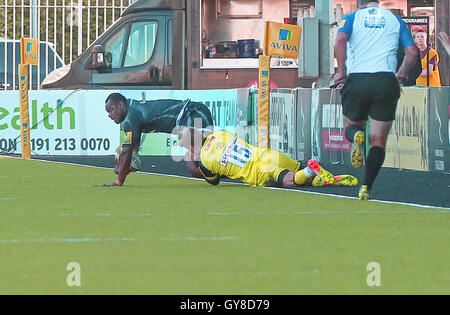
364, 193
346, 180
357, 150
325, 175
317, 182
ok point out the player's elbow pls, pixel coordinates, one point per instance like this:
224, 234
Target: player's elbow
341, 40
213, 180
412, 51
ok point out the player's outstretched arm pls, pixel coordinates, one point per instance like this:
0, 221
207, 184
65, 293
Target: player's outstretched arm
124, 165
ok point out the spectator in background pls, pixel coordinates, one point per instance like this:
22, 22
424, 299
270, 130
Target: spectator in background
432, 69
445, 40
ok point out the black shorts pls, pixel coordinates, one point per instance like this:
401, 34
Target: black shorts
370, 94
197, 115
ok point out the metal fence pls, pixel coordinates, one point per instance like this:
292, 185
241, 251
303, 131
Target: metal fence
64, 28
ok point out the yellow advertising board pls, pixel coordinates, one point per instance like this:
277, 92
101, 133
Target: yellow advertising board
264, 101
29, 51
24, 114
282, 39
407, 145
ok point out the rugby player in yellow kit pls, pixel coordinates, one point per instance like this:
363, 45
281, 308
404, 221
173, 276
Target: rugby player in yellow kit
222, 154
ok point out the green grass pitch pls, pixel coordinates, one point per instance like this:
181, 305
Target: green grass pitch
166, 235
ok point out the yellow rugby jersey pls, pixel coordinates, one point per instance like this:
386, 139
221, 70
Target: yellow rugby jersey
226, 155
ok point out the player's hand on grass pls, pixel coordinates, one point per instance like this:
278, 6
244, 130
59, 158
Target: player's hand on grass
116, 183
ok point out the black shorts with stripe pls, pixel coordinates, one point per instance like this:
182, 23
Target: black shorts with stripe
370, 94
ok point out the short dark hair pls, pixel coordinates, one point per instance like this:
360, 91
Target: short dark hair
115, 98
362, 2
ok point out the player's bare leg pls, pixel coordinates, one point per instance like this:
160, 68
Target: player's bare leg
379, 131
304, 176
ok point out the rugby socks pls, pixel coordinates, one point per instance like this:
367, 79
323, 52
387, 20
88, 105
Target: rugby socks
301, 177
350, 132
375, 160
309, 172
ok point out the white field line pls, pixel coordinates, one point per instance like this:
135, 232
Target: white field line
224, 214
274, 188
23, 176
117, 240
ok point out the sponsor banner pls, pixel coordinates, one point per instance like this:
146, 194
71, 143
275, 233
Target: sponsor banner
438, 140
78, 126
407, 145
303, 124
419, 138
29, 51
282, 122
328, 142
332, 116
228, 109
160, 144
334, 140
282, 39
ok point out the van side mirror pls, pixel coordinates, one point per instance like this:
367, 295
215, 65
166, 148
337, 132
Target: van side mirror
98, 58
108, 60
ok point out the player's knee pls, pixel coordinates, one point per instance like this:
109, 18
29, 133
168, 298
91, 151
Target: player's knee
377, 140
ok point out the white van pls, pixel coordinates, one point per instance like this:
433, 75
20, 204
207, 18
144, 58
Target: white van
10, 59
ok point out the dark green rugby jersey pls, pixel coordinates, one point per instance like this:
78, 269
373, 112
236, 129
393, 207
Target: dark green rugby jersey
160, 116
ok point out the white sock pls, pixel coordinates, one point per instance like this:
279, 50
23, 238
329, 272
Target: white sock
308, 172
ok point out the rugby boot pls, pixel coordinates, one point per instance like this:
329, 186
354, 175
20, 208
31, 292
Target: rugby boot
364, 193
357, 149
325, 175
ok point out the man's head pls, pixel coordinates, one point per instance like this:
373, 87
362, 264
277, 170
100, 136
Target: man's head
420, 37
116, 106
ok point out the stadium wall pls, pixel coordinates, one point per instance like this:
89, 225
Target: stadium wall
80, 126
304, 123
419, 138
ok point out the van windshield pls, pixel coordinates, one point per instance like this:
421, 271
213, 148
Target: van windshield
141, 43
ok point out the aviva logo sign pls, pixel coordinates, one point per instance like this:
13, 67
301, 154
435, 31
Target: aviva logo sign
29, 51
282, 39
285, 35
